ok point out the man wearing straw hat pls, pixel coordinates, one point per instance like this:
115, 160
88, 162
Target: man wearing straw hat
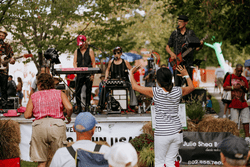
5, 51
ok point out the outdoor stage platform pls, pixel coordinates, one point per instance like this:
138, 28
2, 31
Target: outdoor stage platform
111, 128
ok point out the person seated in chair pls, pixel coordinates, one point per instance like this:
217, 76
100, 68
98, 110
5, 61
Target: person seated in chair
118, 69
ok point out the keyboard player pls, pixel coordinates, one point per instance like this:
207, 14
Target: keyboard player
83, 57
118, 69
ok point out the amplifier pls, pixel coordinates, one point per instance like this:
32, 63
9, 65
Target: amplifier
117, 84
12, 103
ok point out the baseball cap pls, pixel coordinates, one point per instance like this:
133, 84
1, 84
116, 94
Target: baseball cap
234, 147
84, 122
121, 154
183, 17
81, 39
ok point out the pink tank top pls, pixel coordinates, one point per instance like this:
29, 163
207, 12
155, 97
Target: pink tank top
47, 103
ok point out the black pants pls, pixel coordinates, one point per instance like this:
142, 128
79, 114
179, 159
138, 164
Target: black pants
3, 85
80, 81
179, 81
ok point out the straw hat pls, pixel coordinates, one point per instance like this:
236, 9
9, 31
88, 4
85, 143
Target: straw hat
2, 29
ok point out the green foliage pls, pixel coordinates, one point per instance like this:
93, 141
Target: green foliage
227, 21
216, 105
28, 164
194, 109
141, 141
41, 24
147, 156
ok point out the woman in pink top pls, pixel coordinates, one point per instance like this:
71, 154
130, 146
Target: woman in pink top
48, 128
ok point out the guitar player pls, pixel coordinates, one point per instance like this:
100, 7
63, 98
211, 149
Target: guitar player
177, 40
5, 50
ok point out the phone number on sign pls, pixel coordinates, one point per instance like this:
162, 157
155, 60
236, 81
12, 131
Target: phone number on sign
204, 162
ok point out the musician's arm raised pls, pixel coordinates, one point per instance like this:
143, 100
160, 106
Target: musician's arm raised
107, 70
92, 56
128, 64
75, 59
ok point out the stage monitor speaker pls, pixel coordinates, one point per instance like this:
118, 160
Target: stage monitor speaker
12, 103
122, 97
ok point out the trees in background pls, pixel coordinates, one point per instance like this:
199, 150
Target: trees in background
37, 25
226, 21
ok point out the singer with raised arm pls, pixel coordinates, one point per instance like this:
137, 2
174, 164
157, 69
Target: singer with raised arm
83, 57
179, 40
6, 53
118, 70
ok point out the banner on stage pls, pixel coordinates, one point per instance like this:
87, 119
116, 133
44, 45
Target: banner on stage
200, 148
112, 133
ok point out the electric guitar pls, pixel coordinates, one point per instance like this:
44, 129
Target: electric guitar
180, 57
4, 60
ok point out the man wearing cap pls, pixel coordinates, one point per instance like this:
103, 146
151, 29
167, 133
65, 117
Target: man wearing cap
83, 57
5, 51
176, 40
234, 151
84, 127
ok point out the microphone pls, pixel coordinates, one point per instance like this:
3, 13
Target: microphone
115, 58
177, 27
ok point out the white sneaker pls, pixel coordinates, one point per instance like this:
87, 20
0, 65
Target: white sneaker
229, 116
224, 116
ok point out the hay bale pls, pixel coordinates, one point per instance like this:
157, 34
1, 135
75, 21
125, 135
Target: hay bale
211, 124
9, 139
191, 126
147, 128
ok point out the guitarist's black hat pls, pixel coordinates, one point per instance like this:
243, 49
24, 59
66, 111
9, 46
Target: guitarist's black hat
183, 17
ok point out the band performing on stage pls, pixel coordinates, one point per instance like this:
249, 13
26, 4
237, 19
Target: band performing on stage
116, 79
115, 87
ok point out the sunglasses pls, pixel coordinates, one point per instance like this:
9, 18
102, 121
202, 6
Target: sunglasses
117, 53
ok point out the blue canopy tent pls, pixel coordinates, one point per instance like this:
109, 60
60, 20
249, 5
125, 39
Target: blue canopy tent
131, 57
247, 63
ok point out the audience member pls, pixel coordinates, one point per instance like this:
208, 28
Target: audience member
122, 155
234, 151
247, 74
11, 87
219, 74
237, 84
209, 104
164, 66
101, 84
149, 78
85, 128
19, 90
48, 128
34, 87
168, 134
226, 102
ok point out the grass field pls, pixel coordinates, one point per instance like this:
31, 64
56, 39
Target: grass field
28, 164
216, 105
